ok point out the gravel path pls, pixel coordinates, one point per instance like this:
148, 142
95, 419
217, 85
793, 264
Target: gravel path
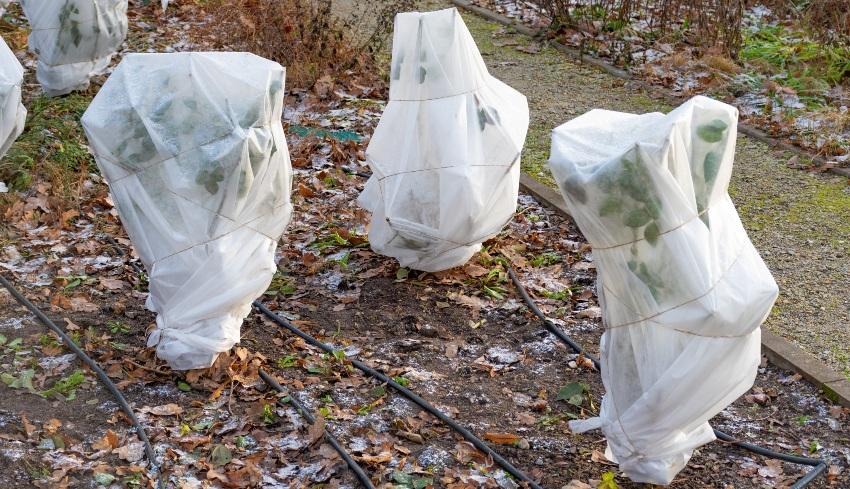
799, 221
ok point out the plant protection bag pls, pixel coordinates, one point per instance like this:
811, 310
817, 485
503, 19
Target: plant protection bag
12, 112
74, 40
445, 155
683, 291
194, 152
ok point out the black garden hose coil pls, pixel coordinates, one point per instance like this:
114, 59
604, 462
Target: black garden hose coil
818, 464
468, 435
101, 375
329, 437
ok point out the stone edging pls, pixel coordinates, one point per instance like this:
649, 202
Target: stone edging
779, 351
747, 129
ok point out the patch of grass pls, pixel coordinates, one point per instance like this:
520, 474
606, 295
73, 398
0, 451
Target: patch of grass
66, 388
535, 154
117, 327
52, 146
828, 204
281, 285
807, 65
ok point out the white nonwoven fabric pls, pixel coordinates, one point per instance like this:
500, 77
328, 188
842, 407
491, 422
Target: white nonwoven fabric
193, 149
12, 112
74, 40
445, 155
682, 288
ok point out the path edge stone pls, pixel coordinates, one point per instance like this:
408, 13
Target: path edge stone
750, 131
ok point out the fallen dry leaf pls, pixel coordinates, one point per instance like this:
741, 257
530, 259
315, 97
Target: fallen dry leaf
131, 452
170, 409
81, 304
29, 428
108, 442
502, 438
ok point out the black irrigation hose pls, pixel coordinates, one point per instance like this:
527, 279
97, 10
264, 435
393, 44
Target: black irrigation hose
818, 464
477, 442
140, 430
329, 437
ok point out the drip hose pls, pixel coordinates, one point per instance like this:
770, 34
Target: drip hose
477, 442
329, 437
140, 431
818, 464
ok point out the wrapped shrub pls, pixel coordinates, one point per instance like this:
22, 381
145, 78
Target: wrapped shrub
12, 112
683, 290
74, 40
445, 155
194, 152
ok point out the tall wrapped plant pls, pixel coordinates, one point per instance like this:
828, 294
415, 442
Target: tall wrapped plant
683, 290
445, 155
194, 152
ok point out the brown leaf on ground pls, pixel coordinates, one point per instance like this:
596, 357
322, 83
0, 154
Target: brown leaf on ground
316, 431
530, 49
526, 419
599, 457
29, 428
501, 438
81, 304
324, 87
52, 426
832, 473
474, 270
108, 442
113, 283
131, 452
306, 191
170, 409
772, 469
383, 457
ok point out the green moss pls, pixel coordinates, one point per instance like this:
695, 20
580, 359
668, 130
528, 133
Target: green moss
828, 205
536, 153
757, 211
52, 146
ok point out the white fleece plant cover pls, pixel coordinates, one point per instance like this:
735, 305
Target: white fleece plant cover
445, 155
74, 40
12, 112
194, 152
683, 291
